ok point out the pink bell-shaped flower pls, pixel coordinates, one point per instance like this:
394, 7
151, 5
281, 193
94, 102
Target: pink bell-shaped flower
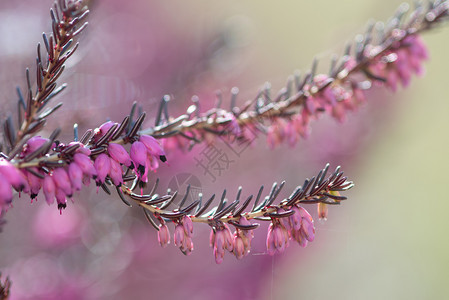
102, 165
119, 153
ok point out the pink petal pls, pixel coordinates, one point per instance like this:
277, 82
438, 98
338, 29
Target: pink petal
12, 175
85, 163
271, 248
188, 226
322, 211
102, 165
163, 235
34, 143
229, 240
5, 193
62, 181
178, 235
153, 146
76, 176
138, 154
119, 153
61, 199
239, 247
49, 189
34, 182
116, 173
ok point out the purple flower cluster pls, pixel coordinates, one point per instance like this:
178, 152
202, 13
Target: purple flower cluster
145, 154
221, 237
242, 239
78, 167
336, 96
402, 60
57, 183
298, 227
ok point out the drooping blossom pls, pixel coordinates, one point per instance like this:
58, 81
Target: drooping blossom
62, 181
119, 154
322, 211
49, 189
85, 164
5, 193
163, 235
138, 154
221, 239
183, 235
116, 173
277, 238
102, 166
75, 175
13, 176
34, 182
33, 144
153, 146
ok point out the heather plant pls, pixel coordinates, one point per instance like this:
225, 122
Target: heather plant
121, 158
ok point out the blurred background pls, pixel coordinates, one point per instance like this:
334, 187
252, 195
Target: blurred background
388, 241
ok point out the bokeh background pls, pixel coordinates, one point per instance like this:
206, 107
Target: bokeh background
388, 241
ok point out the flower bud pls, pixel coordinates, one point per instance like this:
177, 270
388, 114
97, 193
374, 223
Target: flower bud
187, 246
138, 154
178, 235
81, 149
322, 211
163, 235
212, 238
49, 189
104, 128
300, 238
34, 182
62, 181
308, 230
229, 240
271, 247
219, 255
188, 226
85, 163
12, 175
246, 233
5, 193
305, 214
102, 165
119, 153
76, 176
239, 247
279, 242
34, 143
295, 219
116, 173
219, 242
153, 146
60, 199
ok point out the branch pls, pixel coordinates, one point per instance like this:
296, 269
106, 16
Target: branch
67, 23
33, 164
385, 55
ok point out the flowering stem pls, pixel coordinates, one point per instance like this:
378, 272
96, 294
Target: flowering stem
217, 118
316, 190
59, 48
33, 163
